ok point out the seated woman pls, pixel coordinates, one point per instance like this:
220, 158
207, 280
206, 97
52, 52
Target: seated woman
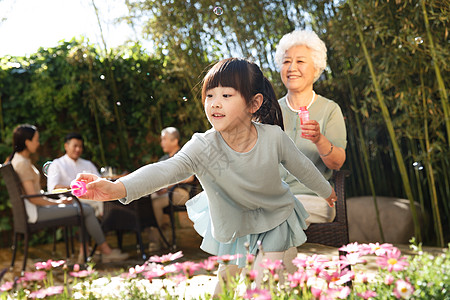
301, 57
26, 142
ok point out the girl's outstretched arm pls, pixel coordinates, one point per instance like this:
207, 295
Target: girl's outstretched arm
100, 189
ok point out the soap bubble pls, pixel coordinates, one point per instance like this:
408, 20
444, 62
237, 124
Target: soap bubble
417, 165
45, 167
418, 40
185, 99
218, 10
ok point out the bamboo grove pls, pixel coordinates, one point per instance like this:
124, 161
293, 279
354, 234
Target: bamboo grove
387, 68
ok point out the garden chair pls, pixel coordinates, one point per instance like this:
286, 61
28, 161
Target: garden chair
193, 188
134, 216
334, 234
20, 217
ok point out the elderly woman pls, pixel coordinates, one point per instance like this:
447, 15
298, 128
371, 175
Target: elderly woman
301, 57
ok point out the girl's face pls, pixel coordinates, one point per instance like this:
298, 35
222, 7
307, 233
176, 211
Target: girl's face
33, 144
226, 109
297, 70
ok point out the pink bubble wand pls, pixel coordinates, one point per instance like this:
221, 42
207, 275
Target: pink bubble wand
78, 188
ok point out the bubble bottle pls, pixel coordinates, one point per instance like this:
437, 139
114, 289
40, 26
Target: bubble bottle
303, 114
78, 188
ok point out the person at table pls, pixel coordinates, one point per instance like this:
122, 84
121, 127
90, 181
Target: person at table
25, 143
64, 170
170, 144
301, 57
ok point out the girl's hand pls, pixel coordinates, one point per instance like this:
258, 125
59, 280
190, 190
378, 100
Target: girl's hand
332, 198
311, 131
100, 189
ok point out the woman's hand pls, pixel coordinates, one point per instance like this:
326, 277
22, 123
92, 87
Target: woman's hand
332, 198
311, 131
100, 189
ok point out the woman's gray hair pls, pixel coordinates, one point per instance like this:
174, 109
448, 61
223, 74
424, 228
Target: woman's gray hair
306, 38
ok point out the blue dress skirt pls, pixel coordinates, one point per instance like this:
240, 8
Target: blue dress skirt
286, 235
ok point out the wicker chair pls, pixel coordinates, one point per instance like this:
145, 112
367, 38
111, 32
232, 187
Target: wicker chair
131, 217
193, 189
20, 217
334, 234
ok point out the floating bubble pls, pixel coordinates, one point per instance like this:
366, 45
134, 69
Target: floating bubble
185, 99
118, 103
45, 167
218, 10
418, 40
102, 77
417, 165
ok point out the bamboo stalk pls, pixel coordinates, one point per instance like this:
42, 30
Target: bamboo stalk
390, 127
122, 136
2, 124
432, 183
435, 61
366, 158
97, 123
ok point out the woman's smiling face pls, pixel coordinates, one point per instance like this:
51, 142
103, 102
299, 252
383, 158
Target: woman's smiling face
297, 69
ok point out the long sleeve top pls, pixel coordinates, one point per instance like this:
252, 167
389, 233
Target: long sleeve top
332, 125
245, 192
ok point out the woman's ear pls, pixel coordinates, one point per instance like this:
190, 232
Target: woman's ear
256, 103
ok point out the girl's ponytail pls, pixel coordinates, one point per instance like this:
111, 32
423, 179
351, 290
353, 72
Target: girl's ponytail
270, 111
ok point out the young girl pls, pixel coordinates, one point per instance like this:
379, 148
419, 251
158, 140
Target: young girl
236, 162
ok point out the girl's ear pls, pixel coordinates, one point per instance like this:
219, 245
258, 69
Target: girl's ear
256, 103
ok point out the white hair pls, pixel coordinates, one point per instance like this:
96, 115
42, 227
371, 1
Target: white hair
306, 38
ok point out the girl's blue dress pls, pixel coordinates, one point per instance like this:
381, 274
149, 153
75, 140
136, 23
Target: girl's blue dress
286, 235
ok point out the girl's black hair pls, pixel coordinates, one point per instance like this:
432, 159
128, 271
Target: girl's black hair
247, 78
20, 134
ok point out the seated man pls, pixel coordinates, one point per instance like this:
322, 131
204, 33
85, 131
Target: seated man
170, 144
65, 169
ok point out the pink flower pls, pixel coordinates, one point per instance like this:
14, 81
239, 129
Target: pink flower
258, 294
34, 276
338, 277
272, 266
166, 258
49, 264
367, 294
189, 268
156, 271
76, 267
82, 274
392, 260
78, 188
389, 279
351, 259
53, 290
343, 292
378, 250
177, 279
303, 261
250, 258
350, 248
252, 275
6, 286
209, 264
403, 289
297, 279
228, 257
316, 292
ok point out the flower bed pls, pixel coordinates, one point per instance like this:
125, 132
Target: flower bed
420, 276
